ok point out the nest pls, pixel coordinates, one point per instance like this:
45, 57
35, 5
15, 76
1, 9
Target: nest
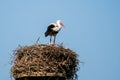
44, 60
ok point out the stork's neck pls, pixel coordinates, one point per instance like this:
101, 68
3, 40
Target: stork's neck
58, 23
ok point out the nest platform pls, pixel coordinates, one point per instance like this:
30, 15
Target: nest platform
42, 61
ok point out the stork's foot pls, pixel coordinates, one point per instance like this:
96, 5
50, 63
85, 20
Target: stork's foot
52, 43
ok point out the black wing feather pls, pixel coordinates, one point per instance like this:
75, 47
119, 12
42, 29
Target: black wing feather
49, 30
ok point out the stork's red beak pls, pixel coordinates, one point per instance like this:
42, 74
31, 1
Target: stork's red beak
61, 24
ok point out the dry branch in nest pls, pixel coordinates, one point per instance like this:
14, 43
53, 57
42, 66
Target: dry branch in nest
44, 60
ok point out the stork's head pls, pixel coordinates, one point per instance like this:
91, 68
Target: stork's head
60, 24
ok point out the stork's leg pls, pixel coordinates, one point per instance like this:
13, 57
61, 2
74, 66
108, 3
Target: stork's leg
50, 39
54, 39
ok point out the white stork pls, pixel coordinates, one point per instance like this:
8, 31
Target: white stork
53, 29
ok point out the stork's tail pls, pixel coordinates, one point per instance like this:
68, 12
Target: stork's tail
46, 34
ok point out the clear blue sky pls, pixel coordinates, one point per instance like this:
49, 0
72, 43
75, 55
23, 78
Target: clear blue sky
92, 30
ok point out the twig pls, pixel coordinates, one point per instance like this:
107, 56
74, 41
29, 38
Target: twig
37, 40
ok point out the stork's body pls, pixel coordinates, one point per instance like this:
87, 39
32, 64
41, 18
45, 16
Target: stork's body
53, 29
